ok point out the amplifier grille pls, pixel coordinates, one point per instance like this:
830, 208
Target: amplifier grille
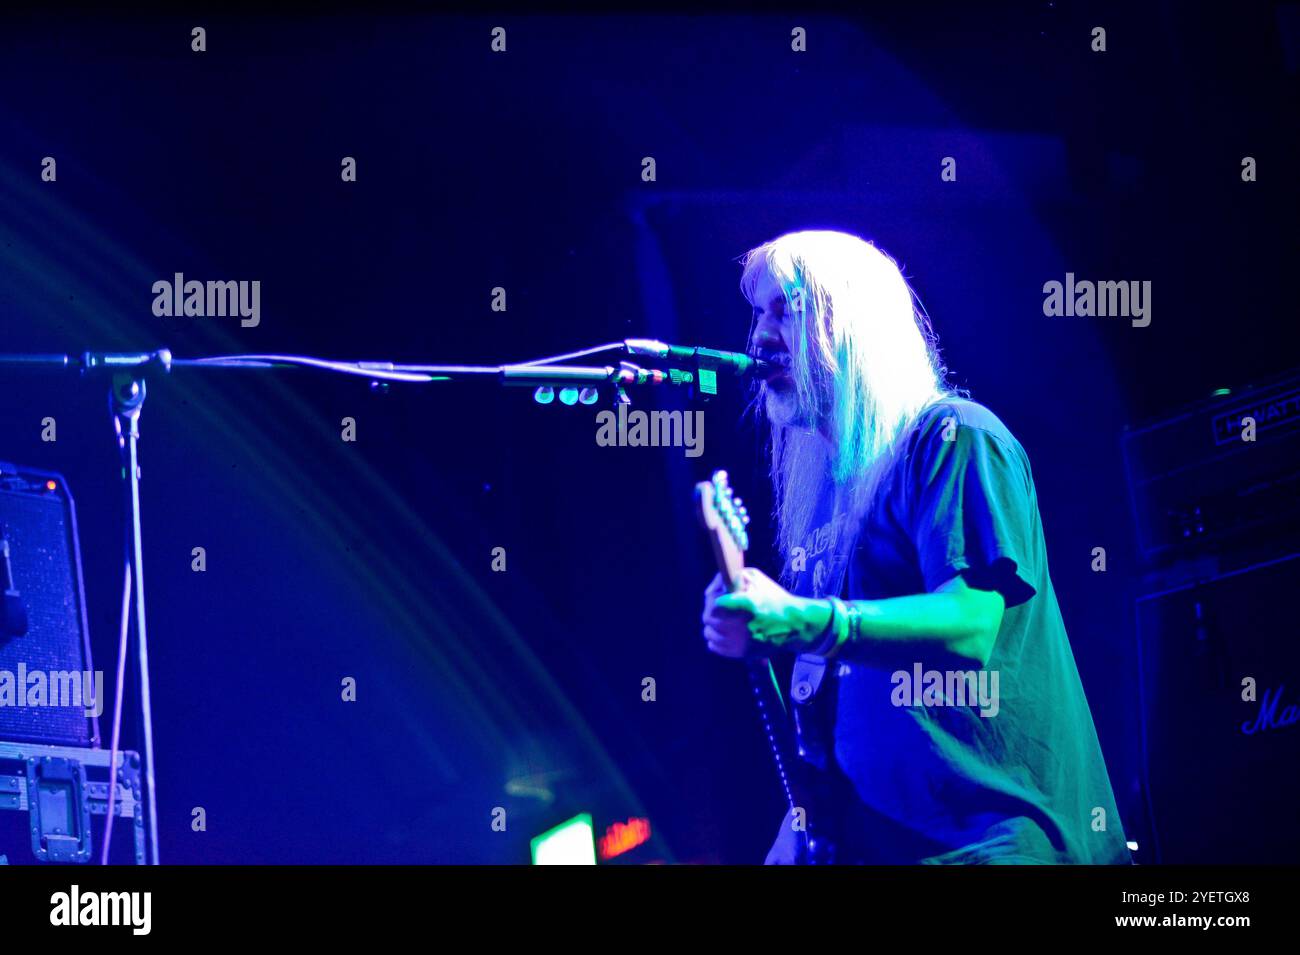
39, 525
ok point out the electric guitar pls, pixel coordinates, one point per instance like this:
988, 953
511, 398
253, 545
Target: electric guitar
725, 519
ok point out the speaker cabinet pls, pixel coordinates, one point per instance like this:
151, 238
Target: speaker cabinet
1223, 768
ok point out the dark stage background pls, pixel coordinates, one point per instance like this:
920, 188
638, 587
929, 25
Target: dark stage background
372, 559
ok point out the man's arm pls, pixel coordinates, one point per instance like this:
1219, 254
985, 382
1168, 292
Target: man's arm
955, 618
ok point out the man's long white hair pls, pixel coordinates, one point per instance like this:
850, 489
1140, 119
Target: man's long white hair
865, 363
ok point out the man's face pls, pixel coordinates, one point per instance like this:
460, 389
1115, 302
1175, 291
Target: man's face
770, 341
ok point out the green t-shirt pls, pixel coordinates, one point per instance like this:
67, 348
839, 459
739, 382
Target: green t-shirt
942, 762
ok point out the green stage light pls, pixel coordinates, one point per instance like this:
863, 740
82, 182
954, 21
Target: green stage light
570, 843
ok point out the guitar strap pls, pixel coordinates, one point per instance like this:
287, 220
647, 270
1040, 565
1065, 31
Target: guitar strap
812, 694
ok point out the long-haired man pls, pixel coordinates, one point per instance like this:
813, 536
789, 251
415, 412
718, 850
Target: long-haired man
915, 571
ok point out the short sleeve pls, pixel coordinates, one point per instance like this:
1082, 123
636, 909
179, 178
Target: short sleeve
972, 510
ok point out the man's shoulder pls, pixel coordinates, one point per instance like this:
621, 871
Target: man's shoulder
964, 413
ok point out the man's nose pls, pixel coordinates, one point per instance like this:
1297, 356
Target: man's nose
767, 334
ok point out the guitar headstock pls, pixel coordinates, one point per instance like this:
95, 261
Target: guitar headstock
725, 518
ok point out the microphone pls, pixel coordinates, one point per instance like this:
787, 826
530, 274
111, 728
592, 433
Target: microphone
736, 362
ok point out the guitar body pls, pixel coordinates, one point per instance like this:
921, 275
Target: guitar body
724, 519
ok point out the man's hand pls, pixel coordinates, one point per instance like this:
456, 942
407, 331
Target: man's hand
725, 631
762, 611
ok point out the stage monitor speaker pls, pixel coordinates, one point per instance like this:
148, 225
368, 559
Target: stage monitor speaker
1222, 766
45, 663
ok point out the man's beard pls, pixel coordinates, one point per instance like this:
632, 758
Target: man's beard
784, 410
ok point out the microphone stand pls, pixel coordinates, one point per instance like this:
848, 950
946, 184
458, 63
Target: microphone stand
126, 400
129, 373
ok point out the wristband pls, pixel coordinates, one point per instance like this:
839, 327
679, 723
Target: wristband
838, 631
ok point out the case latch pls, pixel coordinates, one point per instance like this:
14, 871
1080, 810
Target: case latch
60, 813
